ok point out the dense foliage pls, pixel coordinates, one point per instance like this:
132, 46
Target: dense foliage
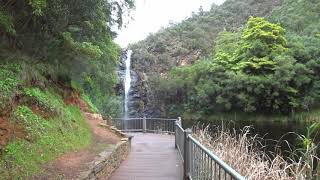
54, 54
270, 65
225, 60
185, 43
76, 47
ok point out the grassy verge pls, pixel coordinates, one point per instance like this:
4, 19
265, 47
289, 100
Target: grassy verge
90, 105
62, 130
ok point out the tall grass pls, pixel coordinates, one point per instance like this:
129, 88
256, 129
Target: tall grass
245, 154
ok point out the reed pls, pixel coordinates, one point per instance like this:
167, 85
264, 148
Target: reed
245, 153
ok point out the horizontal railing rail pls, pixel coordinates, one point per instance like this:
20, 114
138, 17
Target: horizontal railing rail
205, 165
164, 119
160, 125
199, 162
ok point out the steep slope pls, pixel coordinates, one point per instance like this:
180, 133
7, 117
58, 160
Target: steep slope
72, 164
270, 66
35, 119
53, 54
184, 43
74, 37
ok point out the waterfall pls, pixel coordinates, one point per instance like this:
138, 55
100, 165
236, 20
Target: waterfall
127, 83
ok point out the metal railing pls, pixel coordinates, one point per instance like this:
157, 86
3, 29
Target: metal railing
179, 138
157, 125
198, 161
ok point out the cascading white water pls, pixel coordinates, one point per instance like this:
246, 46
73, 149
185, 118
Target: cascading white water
127, 83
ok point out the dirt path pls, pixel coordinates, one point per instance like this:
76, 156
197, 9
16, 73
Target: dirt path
70, 165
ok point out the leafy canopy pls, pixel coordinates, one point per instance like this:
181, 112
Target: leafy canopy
255, 51
259, 69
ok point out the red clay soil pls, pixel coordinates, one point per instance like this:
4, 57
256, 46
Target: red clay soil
67, 166
70, 165
8, 131
38, 111
74, 99
5, 131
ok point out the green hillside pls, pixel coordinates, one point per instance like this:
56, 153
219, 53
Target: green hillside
186, 42
272, 68
53, 59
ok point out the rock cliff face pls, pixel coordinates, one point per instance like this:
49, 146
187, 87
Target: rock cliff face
183, 44
136, 92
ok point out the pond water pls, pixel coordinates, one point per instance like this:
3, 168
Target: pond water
275, 133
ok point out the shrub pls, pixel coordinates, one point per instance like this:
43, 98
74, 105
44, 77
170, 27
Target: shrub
9, 80
45, 100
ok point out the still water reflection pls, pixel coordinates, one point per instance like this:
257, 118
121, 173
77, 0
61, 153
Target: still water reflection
275, 133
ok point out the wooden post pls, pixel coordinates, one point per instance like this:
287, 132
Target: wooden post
186, 156
144, 124
176, 123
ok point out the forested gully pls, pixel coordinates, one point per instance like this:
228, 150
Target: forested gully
240, 73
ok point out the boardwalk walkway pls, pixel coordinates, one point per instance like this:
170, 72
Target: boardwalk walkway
152, 157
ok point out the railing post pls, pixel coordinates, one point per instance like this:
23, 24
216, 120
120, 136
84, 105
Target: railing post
179, 121
176, 123
144, 124
187, 154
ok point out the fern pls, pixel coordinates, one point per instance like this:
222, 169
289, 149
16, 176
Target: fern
6, 22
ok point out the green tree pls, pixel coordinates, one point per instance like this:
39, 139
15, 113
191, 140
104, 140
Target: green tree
260, 69
261, 41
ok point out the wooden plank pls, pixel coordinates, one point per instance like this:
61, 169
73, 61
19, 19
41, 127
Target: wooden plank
152, 157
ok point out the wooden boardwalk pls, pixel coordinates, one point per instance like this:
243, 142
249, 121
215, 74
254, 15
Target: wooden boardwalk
152, 157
